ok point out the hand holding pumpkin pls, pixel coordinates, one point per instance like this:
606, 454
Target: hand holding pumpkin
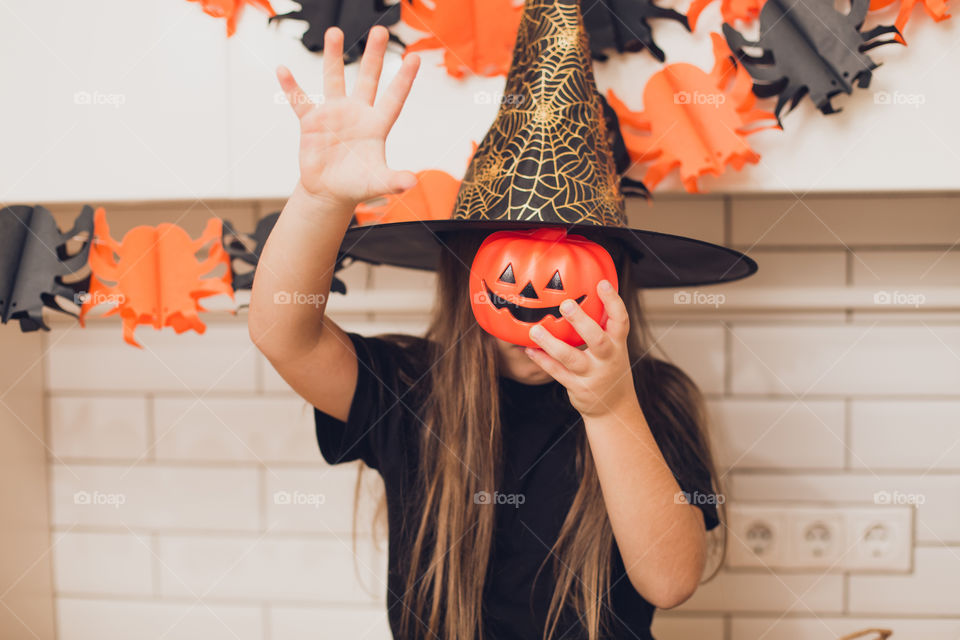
598, 379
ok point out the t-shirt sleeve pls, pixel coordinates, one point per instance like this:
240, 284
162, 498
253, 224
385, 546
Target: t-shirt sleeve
704, 498
378, 411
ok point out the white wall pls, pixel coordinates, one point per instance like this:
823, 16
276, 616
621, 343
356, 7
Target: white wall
197, 434
185, 113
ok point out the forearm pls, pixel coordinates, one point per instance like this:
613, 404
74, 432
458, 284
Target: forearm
297, 265
661, 539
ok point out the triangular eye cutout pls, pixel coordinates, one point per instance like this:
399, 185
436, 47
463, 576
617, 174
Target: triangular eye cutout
555, 282
507, 275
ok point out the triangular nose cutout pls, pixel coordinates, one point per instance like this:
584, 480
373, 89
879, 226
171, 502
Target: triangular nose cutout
528, 291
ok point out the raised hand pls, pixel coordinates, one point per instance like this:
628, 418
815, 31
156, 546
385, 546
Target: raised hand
342, 140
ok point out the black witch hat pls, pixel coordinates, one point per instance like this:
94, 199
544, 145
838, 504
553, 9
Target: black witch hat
547, 161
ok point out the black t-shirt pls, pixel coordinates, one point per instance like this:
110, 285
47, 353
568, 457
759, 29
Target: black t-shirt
540, 436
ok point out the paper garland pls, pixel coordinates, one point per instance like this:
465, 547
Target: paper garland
157, 276
479, 35
808, 49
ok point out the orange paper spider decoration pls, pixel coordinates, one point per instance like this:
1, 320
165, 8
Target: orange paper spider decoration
432, 198
153, 275
476, 35
231, 9
936, 9
732, 10
691, 121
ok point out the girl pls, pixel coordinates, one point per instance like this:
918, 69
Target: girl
531, 493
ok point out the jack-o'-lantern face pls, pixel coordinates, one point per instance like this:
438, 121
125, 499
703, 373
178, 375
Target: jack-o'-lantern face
519, 278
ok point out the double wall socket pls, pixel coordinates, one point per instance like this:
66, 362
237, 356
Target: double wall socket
831, 537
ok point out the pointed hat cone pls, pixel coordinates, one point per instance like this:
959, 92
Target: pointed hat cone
547, 157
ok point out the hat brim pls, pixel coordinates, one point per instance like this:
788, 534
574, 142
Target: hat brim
660, 259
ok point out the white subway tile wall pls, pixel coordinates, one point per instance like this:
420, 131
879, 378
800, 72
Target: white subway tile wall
189, 499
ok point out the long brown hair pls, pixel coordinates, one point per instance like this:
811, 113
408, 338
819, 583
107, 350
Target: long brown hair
460, 450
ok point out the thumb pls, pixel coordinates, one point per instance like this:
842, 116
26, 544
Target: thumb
401, 180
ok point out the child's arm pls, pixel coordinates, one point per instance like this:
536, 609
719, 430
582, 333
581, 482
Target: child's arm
661, 539
341, 164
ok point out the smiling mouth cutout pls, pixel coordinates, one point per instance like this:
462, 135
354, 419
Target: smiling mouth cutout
525, 314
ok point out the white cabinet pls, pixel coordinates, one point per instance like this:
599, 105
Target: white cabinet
111, 100
114, 100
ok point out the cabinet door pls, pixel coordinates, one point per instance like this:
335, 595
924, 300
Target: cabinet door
111, 100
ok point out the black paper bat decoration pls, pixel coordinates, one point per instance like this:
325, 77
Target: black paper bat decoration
809, 47
622, 25
34, 260
236, 245
354, 17
621, 156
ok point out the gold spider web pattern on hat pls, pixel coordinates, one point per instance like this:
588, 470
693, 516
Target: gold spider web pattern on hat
546, 158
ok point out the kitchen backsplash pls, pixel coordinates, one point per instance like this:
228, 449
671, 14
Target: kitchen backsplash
188, 497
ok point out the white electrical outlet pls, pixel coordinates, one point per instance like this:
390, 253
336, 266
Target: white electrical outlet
831, 537
879, 539
757, 536
817, 538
